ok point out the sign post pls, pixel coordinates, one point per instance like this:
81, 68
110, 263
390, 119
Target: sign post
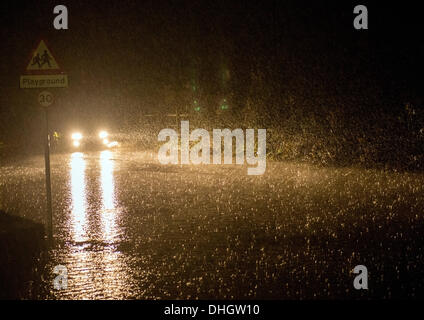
45, 99
44, 72
48, 182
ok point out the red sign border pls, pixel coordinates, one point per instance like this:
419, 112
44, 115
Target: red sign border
43, 72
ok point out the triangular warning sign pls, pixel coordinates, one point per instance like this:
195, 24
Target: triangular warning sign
42, 59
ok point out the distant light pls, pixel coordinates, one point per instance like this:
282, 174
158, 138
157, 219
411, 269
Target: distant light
76, 136
197, 109
224, 104
76, 143
105, 141
103, 134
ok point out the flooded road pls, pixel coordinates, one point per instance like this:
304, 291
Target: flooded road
128, 227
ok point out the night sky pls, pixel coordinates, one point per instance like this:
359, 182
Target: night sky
126, 57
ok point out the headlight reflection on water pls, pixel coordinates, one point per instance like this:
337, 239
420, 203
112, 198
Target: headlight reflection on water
96, 269
108, 213
78, 195
79, 205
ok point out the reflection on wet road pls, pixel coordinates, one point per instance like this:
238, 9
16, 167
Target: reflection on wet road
126, 226
78, 221
109, 212
96, 270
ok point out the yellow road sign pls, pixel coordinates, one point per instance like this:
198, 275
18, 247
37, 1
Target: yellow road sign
44, 81
42, 59
43, 71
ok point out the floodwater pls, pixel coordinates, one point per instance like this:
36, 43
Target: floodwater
127, 227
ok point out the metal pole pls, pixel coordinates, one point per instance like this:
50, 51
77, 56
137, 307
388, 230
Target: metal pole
48, 183
177, 118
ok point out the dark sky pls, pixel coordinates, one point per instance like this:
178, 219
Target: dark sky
122, 55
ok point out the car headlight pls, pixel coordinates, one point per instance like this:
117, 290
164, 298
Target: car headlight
76, 136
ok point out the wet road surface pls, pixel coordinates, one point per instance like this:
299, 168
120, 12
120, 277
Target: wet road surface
128, 227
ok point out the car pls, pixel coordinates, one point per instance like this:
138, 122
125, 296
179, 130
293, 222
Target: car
101, 140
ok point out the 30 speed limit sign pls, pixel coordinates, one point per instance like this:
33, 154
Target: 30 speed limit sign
45, 98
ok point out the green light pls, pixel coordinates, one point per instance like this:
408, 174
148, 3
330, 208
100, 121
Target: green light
197, 109
224, 105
